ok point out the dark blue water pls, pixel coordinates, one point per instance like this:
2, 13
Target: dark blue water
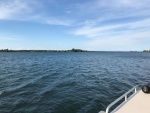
59, 82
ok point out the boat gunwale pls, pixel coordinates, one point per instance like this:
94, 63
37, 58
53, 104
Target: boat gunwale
125, 95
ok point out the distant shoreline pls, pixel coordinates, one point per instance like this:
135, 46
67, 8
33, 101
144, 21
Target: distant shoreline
72, 50
146, 50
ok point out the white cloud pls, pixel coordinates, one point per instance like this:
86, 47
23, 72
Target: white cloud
101, 31
123, 36
14, 9
93, 31
33, 10
100, 10
28, 10
126, 42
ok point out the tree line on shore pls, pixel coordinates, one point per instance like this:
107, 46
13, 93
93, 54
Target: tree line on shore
146, 50
72, 50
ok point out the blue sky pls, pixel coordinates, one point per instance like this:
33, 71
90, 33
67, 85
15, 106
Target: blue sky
104, 25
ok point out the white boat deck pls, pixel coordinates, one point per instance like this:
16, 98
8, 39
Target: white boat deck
139, 103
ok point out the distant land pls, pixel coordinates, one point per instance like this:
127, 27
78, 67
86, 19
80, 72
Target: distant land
146, 50
72, 50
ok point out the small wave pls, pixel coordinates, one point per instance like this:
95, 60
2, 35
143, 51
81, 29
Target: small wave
1, 92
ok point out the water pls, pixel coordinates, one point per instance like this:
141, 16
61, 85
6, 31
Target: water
59, 82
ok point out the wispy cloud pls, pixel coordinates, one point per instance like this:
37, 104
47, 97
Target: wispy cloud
55, 21
14, 9
27, 10
129, 42
97, 10
116, 36
9, 37
99, 31
100, 10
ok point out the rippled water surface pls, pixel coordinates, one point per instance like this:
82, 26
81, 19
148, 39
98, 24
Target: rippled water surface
68, 82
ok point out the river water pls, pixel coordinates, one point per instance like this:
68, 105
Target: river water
68, 82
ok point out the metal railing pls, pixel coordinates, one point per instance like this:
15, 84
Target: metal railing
134, 90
